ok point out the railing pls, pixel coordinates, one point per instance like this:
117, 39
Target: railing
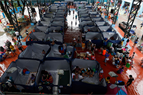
21, 93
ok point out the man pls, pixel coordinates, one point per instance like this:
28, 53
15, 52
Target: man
130, 80
17, 34
106, 57
11, 87
89, 45
26, 32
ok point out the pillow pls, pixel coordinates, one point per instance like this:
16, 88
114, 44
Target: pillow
11, 70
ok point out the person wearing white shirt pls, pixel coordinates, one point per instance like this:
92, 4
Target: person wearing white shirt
17, 34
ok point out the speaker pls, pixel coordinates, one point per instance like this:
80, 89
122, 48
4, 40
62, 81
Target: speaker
112, 11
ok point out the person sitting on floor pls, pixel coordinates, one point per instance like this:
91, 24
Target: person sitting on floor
44, 77
89, 45
32, 78
86, 57
43, 52
120, 70
93, 57
91, 73
107, 80
49, 79
76, 76
12, 49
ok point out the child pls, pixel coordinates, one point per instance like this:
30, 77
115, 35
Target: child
100, 50
122, 42
107, 80
120, 70
113, 60
86, 57
135, 42
26, 32
89, 45
20, 46
12, 49
106, 57
78, 39
75, 16
32, 79
93, 57
127, 43
83, 45
104, 51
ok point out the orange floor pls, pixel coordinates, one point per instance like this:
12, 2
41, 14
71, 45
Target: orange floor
134, 89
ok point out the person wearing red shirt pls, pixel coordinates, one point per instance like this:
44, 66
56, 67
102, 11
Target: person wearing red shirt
93, 57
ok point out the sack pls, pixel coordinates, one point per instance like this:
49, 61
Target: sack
128, 65
107, 58
113, 63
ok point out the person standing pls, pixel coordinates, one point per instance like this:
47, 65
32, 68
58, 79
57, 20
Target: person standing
129, 82
106, 58
89, 45
26, 32
20, 46
141, 25
17, 34
135, 42
83, 45
12, 49
127, 42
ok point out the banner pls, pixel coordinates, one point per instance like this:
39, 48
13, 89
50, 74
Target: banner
3, 15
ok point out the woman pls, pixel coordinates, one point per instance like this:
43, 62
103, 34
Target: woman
49, 79
83, 45
141, 63
135, 42
14, 41
32, 79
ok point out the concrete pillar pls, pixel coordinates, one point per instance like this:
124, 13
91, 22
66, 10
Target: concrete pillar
140, 10
130, 6
123, 2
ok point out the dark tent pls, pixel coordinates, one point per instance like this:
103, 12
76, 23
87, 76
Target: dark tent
34, 51
101, 23
85, 19
87, 84
95, 37
84, 23
112, 36
91, 29
97, 19
63, 81
54, 36
105, 28
21, 80
39, 36
41, 28
54, 53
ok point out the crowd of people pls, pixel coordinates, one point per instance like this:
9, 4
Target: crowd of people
9, 49
79, 73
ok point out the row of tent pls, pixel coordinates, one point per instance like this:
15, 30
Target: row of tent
96, 28
53, 21
52, 61
51, 27
61, 3
64, 82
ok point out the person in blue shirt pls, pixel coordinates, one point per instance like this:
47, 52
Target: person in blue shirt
105, 42
106, 57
